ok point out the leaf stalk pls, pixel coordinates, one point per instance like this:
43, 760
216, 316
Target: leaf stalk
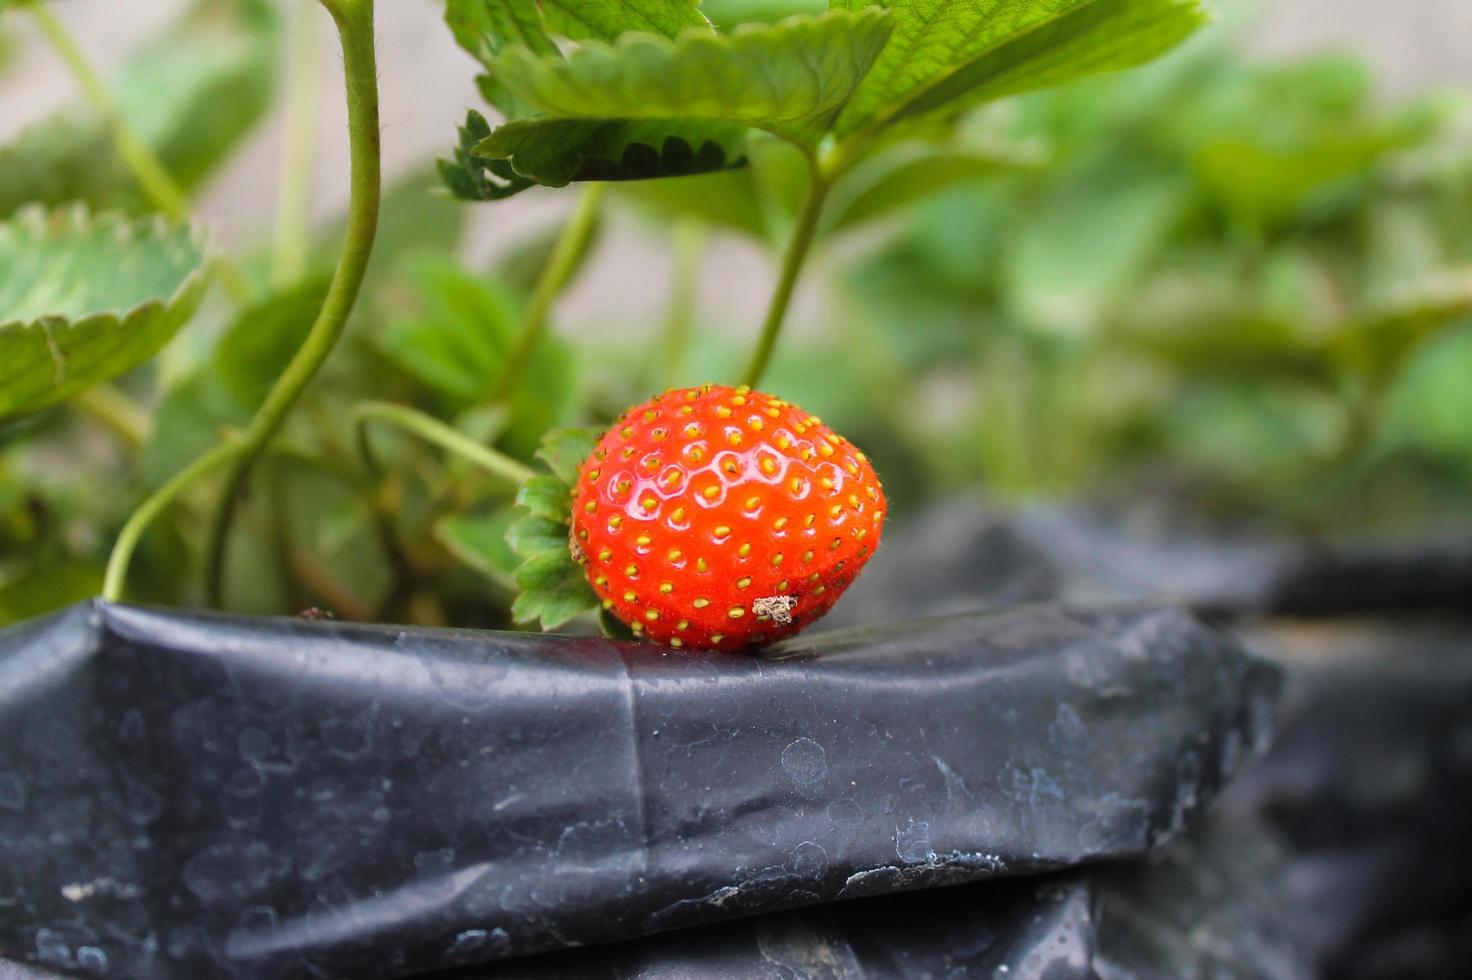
554, 278
122, 550
433, 431
798, 248
354, 20
291, 234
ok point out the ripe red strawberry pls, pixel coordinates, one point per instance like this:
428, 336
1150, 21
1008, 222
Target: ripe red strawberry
717, 517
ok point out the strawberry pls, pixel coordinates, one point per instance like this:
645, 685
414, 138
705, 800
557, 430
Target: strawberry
718, 518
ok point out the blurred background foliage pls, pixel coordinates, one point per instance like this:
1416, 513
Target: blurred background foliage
1242, 286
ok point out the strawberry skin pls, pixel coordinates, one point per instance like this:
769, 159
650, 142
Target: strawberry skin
718, 518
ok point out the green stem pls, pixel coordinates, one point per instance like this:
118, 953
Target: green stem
798, 247
122, 550
571, 245
354, 19
148, 170
432, 430
292, 233
689, 247
110, 407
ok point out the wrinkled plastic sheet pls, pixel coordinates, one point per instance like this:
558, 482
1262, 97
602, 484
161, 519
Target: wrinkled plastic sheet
1368, 792
966, 553
189, 795
1021, 929
1346, 852
1343, 854
1040, 927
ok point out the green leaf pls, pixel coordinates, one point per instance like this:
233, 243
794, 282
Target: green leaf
636, 145
191, 94
1079, 250
220, 395
546, 497
581, 19
455, 342
726, 15
564, 450
194, 415
553, 590
1378, 341
758, 200
556, 152
1262, 183
335, 545
532, 535
789, 78
479, 178
885, 184
1231, 345
726, 199
953, 53
256, 347
85, 298
554, 587
484, 27
481, 541
613, 628
1430, 404
56, 583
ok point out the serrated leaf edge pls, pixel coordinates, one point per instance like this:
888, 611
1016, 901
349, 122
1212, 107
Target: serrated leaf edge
594, 49
896, 110
182, 302
79, 216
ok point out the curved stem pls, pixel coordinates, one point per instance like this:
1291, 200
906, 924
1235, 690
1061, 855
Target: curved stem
138, 521
354, 19
292, 232
792, 261
570, 247
158, 185
434, 431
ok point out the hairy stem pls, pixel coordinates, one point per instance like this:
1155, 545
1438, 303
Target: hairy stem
798, 247
291, 237
434, 431
555, 275
354, 19
138, 521
153, 177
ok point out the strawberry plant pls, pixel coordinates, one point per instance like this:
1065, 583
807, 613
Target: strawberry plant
1248, 273
1251, 274
269, 424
